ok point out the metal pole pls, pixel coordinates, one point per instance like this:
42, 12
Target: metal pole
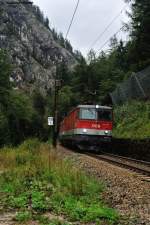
57, 86
55, 115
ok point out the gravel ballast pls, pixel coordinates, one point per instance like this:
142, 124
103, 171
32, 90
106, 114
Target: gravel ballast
125, 190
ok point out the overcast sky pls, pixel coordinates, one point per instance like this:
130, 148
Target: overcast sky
90, 21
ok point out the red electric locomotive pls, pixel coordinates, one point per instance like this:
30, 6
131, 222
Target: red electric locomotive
87, 126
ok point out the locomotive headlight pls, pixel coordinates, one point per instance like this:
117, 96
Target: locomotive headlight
106, 132
84, 130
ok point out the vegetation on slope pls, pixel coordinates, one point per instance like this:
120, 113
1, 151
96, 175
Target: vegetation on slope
36, 180
132, 120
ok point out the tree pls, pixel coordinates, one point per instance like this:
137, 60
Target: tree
4, 129
65, 100
20, 114
5, 70
61, 39
39, 102
68, 46
139, 51
78, 56
46, 22
91, 57
63, 74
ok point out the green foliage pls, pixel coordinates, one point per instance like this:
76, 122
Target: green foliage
19, 201
66, 99
20, 113
5, 70
132, 120
41, 107
4, 126
81, 209
39, 102
38, 201
31, 145
23, 216
139, 47
43, 182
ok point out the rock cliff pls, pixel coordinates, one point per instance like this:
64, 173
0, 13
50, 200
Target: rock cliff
31, 46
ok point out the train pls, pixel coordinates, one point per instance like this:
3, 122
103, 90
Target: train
87, 126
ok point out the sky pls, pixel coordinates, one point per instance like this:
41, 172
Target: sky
92, 17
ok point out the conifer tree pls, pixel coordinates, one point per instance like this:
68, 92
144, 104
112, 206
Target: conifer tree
139, 52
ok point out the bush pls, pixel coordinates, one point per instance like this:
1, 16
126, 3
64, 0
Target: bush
23, 216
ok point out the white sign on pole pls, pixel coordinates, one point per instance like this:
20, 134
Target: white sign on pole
50, 121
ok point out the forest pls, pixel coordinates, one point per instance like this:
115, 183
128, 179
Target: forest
23, 116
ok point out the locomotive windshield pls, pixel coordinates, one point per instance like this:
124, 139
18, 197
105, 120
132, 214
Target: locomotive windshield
95, 114
88, 114
104, 114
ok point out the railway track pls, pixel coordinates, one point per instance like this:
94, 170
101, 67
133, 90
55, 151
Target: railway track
142, 168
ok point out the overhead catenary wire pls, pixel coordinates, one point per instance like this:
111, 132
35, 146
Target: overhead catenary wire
56, 91
71, 22
106, 28
120, 29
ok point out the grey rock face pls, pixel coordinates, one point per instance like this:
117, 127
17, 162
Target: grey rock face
32, 48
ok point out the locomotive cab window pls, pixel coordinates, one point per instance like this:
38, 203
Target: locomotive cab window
105, 115
87, 114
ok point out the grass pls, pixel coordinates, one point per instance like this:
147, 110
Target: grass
35, 180
132, 120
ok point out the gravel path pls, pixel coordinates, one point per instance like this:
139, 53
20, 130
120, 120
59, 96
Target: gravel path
6, 218
125, 190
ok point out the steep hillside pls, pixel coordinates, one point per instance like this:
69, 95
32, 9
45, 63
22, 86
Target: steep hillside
31, 45
132, 120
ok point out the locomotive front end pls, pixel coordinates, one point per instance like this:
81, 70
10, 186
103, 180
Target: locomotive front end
94, 125
87, 127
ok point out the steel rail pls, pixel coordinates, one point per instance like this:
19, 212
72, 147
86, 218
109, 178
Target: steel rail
145, 163
113, 160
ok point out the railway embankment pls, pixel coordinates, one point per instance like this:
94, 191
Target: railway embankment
131, 133
124, 190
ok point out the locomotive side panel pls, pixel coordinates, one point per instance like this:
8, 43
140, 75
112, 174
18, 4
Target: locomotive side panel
68, 125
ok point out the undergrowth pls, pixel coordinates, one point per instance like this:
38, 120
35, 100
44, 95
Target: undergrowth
132, 120
35, 180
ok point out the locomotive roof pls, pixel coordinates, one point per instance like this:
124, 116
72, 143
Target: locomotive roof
91, 107
94, 106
